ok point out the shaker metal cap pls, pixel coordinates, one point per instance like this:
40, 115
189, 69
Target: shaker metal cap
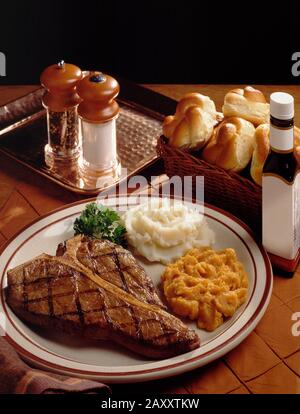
282, 105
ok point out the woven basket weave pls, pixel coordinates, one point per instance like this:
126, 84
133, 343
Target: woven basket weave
227, 190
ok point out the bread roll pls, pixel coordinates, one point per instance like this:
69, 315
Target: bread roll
297, 143
296, 137
231, 145
260, 153
262, 148
297, 154
248, 103
193, 123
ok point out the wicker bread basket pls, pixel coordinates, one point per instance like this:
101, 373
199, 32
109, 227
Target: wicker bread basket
230, 191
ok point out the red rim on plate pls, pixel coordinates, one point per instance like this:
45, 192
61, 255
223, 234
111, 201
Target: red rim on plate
147, 373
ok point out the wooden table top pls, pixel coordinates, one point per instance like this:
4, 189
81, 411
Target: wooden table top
268, 361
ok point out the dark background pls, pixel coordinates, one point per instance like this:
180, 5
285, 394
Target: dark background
153, 41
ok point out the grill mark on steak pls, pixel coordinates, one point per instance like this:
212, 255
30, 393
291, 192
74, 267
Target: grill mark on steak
88, 311
77, 299
136, 322
90, 255
32, 282
106, 308
24, 293
114, 255
106, 316
57, 295
50, 299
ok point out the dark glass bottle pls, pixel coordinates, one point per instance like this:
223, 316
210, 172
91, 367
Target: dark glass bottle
281, 187
282, 162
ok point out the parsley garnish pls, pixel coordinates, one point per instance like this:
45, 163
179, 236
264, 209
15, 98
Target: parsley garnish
102, 223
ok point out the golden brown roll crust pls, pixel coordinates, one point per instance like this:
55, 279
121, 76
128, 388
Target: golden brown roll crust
297, 143
247, 103
231, 145
193, 123
296, 137
297, 154
260, 153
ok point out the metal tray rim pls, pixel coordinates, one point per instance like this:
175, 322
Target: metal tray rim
143, 164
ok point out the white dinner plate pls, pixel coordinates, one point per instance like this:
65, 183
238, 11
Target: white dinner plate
111, 363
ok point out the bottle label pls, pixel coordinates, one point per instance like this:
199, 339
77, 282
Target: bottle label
297, 210
280, 214
281, 139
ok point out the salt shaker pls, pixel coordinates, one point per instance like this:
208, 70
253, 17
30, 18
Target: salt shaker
61, 101
98, 112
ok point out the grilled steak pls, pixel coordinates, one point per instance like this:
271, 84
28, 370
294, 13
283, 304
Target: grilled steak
112, 263
62, 293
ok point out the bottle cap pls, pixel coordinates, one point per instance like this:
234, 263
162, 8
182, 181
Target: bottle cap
98, 92
282, 106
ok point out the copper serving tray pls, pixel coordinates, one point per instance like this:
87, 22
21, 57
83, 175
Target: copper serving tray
23, 135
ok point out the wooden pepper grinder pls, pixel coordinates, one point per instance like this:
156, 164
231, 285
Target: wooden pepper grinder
98, 112
61, 101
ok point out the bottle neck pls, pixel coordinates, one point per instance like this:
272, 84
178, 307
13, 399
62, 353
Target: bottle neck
281, 135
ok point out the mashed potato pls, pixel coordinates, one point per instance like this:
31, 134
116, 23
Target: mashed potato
163, 232
206, 285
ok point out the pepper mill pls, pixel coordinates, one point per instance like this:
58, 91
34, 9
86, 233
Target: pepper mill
61, 101
98, 112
